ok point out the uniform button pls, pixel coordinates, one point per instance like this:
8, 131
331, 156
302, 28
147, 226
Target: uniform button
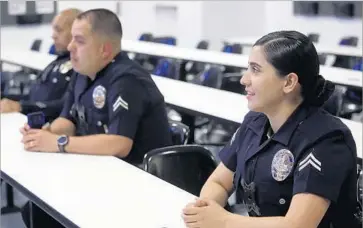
99, 123
282, 201
55, 80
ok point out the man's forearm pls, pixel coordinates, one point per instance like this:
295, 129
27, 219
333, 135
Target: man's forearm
100, 144
214, 191
62, 126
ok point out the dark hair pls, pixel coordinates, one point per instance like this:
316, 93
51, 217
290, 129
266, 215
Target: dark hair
103, 21
293, 52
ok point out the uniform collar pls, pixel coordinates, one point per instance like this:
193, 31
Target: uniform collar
284, 134
121, 56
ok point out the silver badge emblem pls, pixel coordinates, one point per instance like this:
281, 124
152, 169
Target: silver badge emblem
65, 67
99, 96
282, 164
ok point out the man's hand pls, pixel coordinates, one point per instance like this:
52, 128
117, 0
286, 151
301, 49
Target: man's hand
39, 140
7, 106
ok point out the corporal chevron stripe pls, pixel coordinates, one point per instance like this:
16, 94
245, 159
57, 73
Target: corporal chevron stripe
120, 103
310, 160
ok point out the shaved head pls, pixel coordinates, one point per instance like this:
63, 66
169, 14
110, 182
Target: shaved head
61, 26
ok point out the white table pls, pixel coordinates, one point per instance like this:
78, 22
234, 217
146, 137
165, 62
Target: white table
337, 75
223, 105
320, 48
89, 191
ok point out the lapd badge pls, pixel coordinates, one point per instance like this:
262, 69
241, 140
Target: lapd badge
65, 67
282, 164
99, 96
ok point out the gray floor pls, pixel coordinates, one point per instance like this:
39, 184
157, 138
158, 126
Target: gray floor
13, 220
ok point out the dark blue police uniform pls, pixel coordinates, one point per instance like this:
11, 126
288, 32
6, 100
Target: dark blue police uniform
48, 93
313, 152
122, 100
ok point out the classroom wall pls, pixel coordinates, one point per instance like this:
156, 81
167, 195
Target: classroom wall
279, 15
181, 19
224, 19
86, 5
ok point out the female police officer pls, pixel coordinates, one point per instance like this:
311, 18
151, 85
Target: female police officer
291, 163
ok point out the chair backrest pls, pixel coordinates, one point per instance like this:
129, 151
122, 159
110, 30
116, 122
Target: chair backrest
314, 37
349, 41
36, 45
169, 40
232, 48
179, 132
334, 104
203, 44
146, 37
212, 77
166, 68
186, 166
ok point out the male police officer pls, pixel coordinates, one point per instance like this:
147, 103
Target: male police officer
47, 95
113, 106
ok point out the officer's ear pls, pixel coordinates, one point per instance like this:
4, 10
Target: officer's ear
107, 50
291, 82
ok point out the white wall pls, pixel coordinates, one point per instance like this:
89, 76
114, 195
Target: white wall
87, 5
279, 15
181, 19
223, 19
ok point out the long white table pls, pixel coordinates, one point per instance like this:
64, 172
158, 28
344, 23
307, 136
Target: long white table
337, 75
320, 48
224, 106
88, 191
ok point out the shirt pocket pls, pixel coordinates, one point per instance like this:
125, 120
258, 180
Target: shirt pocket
274, 197
98, 121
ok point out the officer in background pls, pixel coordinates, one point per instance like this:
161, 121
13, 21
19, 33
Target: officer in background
47, 95
291, 163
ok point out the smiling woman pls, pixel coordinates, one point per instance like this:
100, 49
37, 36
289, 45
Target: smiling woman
291, 163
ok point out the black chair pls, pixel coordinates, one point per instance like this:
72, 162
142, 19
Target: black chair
179, 132
314, 37
352, 102
212, 77
167, 68
193, 68
346, 61
233, 49
187, 166
334, 104
143, 59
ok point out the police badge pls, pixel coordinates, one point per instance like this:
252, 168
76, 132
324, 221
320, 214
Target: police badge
282, 164
99, 96
65, 67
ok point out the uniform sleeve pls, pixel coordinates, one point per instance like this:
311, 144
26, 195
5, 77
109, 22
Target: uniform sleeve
228, 154
69, 100
49, 108
126, 105
323, 169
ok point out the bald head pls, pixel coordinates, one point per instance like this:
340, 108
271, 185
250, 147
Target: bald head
62, 25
